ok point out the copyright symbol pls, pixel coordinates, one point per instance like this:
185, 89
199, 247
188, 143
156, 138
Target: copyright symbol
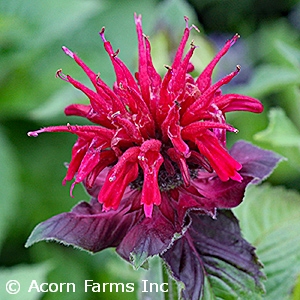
13, 287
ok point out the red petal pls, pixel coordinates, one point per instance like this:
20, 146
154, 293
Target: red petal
192, 113
122, 72
180, 50
155, 80
234, 102
88, 112
180, 160
164, 97
78, 151
191, 131
144, 80
124, 172
225, 166
107, 157
178, 82
93, 158
204, 79
171, 129
150, 162
87, 132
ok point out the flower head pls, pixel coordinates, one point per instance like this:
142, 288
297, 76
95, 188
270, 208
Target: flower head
156, 165
154, 136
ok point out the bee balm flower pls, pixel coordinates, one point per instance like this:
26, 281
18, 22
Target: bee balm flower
156, 165
153, 135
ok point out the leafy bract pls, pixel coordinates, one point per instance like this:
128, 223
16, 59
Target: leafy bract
213, 251
86, 227
257, 163
149, 237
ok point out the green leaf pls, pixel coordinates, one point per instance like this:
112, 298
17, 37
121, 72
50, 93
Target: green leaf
265, 42
25, 275
269, 79
153, 275
270, 220
290, 53
208, 292
282, 135
8, 185
281, 131
296, 292
30, 47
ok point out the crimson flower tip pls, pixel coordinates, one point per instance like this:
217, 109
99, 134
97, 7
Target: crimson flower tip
137, 18
68, 51
32, 134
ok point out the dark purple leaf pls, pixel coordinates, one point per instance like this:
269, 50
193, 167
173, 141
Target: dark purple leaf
150, 237
86, 227
257, 163
214, 248
214, 193
208, 192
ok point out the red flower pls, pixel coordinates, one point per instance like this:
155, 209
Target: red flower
157, 168
157, 135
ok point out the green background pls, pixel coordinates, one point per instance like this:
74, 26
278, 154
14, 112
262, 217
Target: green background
31, 170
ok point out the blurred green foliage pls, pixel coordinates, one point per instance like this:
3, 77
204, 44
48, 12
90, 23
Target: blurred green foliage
31, 35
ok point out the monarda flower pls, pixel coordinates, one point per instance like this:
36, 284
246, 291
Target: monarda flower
156, 163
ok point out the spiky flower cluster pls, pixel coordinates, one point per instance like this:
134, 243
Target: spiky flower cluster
152, 134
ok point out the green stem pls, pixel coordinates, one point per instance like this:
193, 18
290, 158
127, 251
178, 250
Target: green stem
173, 292
156, 282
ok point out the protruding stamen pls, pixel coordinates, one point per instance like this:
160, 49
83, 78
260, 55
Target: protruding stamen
186, 19
98, 77
116, 53
169, 68
234, 39
145, 36
195, 27
101, 33
60, 75
71, 189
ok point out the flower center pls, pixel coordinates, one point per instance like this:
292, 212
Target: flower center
166, 181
